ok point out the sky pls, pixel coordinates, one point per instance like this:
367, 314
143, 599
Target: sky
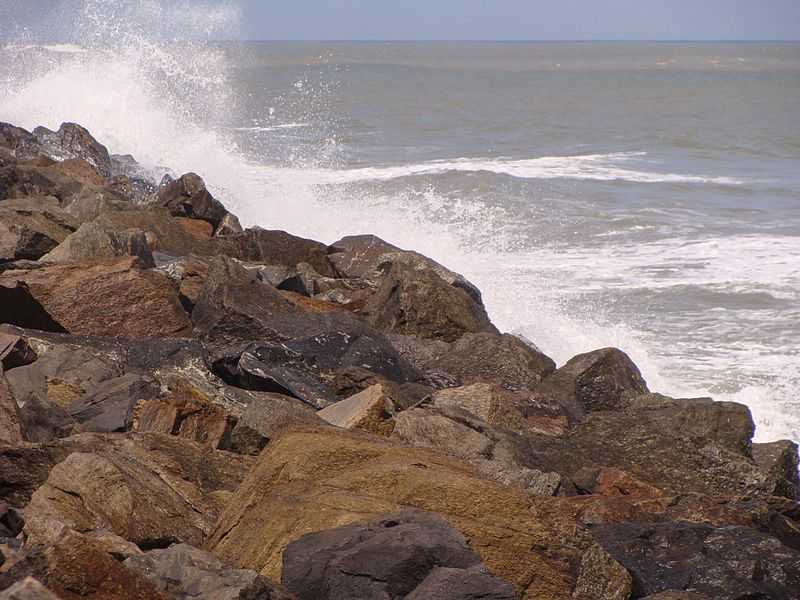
443, 19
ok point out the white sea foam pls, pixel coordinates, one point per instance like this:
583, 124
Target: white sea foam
597, 167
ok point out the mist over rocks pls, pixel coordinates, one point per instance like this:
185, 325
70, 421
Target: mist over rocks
190, 409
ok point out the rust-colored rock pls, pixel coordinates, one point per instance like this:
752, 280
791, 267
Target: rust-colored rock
120, 299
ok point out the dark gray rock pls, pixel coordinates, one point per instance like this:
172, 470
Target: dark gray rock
268, 247
780, 461
488, 357
388, 558
462, 584
188, 573
724, 563
188, 196
277, 369
595, 381
73, 141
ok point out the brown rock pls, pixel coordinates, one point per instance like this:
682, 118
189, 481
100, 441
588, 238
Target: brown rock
780, 461
31, 227
595, 381
82, 170
73, 141
116, 300
188, 413
307, 481
602, 577
613, 482
188, 197
93, 243
274, 248
130, 484
10, 422
76, 566
164, 232
417, 301
200, 230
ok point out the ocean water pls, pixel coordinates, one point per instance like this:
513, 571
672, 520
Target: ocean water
638, 195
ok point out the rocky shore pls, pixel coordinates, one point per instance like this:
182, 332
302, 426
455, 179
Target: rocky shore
193, 410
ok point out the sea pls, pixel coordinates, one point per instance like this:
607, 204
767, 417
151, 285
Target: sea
641, 195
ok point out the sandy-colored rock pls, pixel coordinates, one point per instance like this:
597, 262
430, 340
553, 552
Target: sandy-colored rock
145, 488
31, 227
311, 480
28, 589
10, 421
370, 410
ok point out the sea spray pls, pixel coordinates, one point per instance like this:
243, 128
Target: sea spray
147, 79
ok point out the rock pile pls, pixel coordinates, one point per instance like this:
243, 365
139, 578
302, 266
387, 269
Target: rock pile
191, 409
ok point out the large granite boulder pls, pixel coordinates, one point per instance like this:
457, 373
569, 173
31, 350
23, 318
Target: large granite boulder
93, 243
414, 300
595, 381
724, 563
150, 489
268, 247
675, 445
311, 480
73, 141
31, 227
488, 357
119, 299
76, 566
188, 573
410, 554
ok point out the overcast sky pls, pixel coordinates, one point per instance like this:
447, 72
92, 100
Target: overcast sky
455, 19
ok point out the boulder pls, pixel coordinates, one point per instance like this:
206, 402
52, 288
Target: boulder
265, 418
496, 452
268, 247
487, 357
21, 143
75, 566
359, 256
93, 243
674, 445
73, 141
120, 299
595, 381
110, 405
31, 227
311, 480
780, 461
164, 233
188, 573
28, 589
15, 351
130, 484
185, 412
10, 421
190, 274
277, 369
370, 410
724, 563
413, 300
409, 554
187, 196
